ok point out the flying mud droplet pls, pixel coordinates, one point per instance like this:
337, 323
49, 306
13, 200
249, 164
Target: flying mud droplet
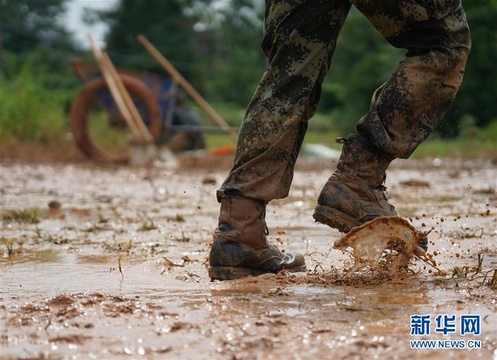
390, 238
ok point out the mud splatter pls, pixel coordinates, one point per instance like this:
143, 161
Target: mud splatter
119, 269
371, 240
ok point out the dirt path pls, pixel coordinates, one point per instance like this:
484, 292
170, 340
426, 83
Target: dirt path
104, 263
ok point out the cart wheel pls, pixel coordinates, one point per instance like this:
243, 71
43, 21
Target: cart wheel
98, 128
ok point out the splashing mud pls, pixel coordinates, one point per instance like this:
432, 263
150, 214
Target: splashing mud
105, 263
373, 238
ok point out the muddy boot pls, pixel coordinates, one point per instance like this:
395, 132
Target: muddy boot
240, 245
355, 193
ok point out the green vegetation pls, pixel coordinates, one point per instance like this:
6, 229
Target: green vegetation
218, 50
29, 216
433, 147
477, 274
472, 141
30, 112
9, 245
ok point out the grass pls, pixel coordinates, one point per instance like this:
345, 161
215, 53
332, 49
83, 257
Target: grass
31, 114
486, 277
110, 138
473, 142
436, 147
29, 216
456, 148
9, 245
28, 111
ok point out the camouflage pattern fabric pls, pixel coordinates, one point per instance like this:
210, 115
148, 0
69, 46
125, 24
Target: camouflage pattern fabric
299, 41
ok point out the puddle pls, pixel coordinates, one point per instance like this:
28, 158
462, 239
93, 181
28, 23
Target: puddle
118, 270
50, 273
83, 305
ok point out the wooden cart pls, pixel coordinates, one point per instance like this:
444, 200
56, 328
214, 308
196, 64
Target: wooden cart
98, 128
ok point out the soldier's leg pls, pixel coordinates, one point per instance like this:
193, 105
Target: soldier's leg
404, 110
409, 106
299, 39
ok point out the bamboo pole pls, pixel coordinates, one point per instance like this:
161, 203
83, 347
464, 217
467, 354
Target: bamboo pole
177, 77
114, 91
135, 114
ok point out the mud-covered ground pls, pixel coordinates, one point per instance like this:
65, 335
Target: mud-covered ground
110, 262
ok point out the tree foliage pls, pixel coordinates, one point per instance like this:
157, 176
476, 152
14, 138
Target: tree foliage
215, 44
363, 60
476, 102
33, 29
166, 24
214, 47
217, 48
236, 60
28, 24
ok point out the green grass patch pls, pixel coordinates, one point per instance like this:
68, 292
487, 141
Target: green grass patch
456, 148
31, 113
473, 142
436, 147
29, 215
28, 111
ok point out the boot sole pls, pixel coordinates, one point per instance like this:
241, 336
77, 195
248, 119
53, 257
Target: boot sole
334, 218
232, 273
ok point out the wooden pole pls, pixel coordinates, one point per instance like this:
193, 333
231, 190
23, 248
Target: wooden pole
123, 100
177, 77
135, 114
114, 91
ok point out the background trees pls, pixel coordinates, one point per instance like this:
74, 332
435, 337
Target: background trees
476, 103
164, 23
33, 29
215, 44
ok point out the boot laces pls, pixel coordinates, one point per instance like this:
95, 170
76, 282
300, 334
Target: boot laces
382, 187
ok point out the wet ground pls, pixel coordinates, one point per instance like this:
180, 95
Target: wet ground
105, 263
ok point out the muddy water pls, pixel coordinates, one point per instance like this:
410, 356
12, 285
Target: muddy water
115, 267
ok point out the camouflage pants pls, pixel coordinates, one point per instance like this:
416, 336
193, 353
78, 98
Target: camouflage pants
299, 41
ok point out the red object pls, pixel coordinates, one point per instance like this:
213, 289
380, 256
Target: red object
223, 150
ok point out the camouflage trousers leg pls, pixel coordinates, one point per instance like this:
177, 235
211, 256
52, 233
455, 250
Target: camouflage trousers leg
299, 40
407, 108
